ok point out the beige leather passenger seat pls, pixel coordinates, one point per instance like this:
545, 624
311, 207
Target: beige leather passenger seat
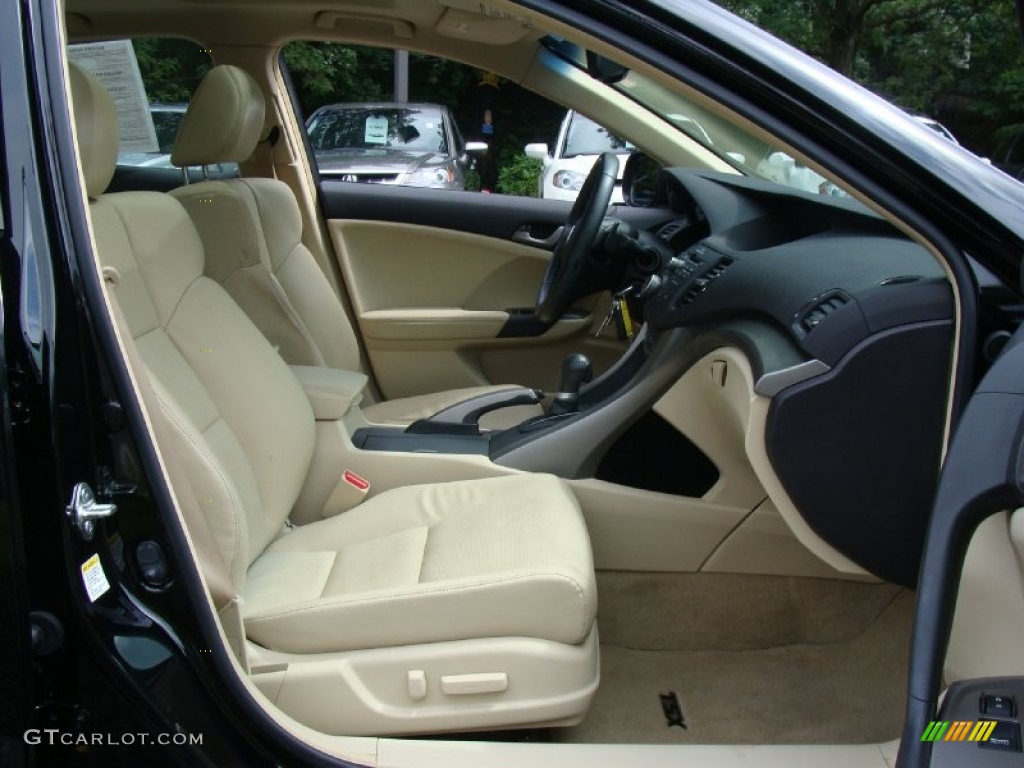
454, 606
252, 231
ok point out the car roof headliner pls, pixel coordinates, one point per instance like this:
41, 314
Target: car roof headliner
500, 40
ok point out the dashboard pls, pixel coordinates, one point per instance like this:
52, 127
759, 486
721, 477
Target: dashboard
822, 271
848, 326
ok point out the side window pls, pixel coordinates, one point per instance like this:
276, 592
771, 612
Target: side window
459, 129
151, 80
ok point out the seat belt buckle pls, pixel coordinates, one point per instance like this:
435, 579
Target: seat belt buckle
348, 493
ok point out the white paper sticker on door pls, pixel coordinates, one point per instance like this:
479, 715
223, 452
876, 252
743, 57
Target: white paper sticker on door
376, 130
95, 579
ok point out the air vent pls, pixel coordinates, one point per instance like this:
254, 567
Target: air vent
671, 229
819, 309
701, 284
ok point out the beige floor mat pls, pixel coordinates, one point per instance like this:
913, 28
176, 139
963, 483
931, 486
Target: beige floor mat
807, 661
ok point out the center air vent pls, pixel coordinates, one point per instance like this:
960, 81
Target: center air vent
701, 284
811, 316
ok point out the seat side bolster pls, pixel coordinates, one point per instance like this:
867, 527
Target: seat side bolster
223, 513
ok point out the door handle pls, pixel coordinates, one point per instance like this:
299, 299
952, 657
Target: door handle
523, 235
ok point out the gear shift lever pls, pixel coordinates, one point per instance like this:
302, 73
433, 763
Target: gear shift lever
576, 371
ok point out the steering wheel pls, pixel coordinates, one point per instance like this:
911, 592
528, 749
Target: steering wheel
577, 240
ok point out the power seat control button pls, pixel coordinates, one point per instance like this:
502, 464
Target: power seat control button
995, 705
1004, 737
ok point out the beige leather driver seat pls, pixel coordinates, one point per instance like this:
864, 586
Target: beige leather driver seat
453, 606
252, 230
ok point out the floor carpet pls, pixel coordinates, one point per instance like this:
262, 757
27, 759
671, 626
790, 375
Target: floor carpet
750, 659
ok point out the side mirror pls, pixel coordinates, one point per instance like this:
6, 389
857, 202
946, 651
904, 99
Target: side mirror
537, 151
476, 147
640, 180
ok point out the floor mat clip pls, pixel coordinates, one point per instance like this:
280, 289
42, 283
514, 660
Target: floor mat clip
673, 711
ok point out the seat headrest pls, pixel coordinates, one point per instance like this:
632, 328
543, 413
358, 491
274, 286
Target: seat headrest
223, 121
97, 129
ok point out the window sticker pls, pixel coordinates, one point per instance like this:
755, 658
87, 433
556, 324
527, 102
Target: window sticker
376, 130
114, 64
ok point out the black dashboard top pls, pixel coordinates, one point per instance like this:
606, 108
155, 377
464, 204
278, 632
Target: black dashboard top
824, 271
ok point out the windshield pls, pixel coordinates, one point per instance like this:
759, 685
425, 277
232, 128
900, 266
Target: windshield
751, 155
741, 149
366, 128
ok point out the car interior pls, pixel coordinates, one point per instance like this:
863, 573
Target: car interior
465, 468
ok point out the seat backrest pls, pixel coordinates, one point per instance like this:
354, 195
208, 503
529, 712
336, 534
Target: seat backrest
240, 423
256, 227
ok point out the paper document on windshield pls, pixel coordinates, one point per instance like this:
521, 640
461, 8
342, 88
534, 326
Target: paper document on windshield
376, 130
113, 63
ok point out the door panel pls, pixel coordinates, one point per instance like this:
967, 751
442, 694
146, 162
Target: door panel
433, 276
400, 265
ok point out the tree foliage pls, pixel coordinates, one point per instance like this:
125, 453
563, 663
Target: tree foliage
520, 176
957, 60
171, 68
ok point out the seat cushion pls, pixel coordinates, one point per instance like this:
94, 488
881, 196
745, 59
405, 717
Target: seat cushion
406, 410
504, 557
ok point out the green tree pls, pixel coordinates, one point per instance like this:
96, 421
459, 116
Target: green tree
520, 176
171, 68
957, 60
325, 73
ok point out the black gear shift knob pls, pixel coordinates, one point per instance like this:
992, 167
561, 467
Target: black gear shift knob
576, 371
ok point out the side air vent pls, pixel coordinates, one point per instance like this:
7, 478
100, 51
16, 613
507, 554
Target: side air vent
811, 316
671, 229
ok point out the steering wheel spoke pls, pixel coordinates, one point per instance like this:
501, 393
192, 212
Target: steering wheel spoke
558, 289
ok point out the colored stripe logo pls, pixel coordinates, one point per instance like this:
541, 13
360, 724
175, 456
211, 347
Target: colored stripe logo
958, 730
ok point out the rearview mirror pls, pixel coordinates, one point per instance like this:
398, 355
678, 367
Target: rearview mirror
477, 147
605, 70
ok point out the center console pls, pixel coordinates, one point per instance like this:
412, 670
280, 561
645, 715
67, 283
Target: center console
398, 439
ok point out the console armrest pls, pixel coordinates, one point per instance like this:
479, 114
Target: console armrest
331, 391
